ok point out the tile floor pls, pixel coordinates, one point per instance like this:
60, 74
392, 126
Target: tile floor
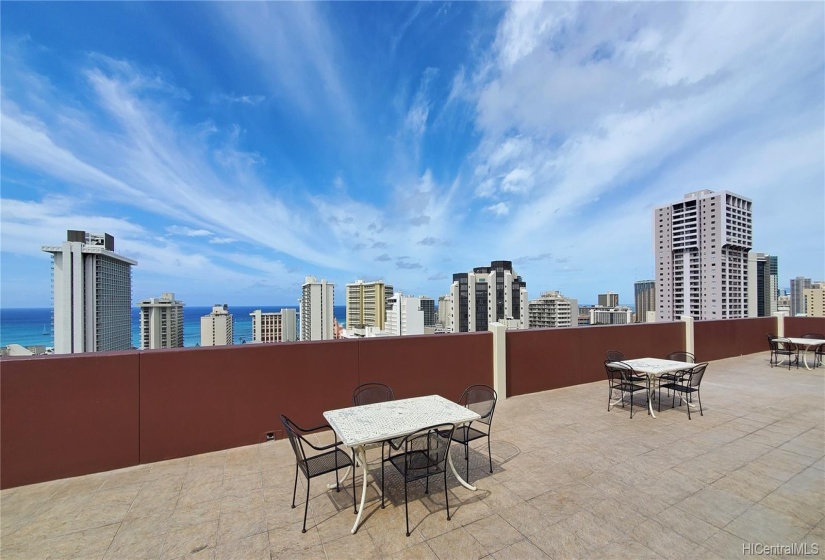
570, 480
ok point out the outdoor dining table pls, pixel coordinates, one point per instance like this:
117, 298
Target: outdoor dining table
361, 427
807, 343
654, 368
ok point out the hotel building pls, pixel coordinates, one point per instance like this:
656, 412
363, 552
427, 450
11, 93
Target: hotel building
92, 290
161, 322
367, 303
281, 326
763, 285
701, 245
316, 314
216, 328
553, 310
486, 295
798, 287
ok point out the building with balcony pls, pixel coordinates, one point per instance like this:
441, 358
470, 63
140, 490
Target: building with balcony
427, 305
815, 300
798, 287
610, 315
278, 326
405, 316
217, 327
367, 303
553, 310
486, 295
701, 246
763, 284
316, 309
92, 290
610, 299
161, 322
645, 295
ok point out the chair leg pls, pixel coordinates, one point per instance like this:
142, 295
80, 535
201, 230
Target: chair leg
382, 476
354, 510
446, 495
688, 402
295, 487
466, 461
406, 509
699, 396
306, 508
489, 452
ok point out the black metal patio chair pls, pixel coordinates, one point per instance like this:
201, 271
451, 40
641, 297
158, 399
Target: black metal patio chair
686, 387
615, 356
482, 400
819, 351
370, 393
784, 347
421, 455
623, 378
315, 465
680, 356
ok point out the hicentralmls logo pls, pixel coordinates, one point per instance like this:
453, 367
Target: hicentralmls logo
793, 549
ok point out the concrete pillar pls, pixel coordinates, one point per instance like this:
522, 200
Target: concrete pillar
689, 344
499, 359
780, 323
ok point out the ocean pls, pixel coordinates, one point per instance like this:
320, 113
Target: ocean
33, 326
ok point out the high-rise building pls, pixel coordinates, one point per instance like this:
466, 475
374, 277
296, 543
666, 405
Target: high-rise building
366, 305
798, 286
553, 310
645, 292
217, 327
279, 326
405, 316
316, 313
486, 295
610, 315
427, 305
161, 322
610, 299
763, 284
445, 305
815, 300
701, 245
92, 290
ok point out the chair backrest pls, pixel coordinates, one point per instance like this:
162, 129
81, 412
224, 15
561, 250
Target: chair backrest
369, 393
481, 399
696, 374
682, 356
425, 451
814, 335
615, 356
295, 440
618, 371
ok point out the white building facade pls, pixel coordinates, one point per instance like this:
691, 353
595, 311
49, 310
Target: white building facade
280, 326
217, 327
161, 322
92, 290
701, 245
367, 303
405, 316
486, 295
553, 310
316, 309
610, 315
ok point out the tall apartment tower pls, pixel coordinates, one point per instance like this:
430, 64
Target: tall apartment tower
316, 309
281, 326
366, 304
92, 290
798, 287
216, 328
701, 244
610, 299
161, 322
763, 285
443, 316
486, 295
553, 310
645, 292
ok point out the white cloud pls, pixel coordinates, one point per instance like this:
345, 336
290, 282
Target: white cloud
500, 209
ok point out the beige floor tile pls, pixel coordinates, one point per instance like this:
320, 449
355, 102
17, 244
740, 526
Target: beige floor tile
494, 533
716, 507
458, 544
189, 540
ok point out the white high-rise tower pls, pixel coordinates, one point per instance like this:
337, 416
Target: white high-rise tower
316, 309
701, 244
217, 327
92, 288
161, 322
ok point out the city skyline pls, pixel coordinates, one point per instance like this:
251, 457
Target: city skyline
234, 150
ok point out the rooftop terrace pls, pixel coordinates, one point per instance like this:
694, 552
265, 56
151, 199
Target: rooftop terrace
570, 480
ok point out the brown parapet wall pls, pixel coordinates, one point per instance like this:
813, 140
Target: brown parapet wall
543, 359
63, 416
727, 338
797, 326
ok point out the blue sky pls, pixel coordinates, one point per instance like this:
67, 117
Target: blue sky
234, 148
